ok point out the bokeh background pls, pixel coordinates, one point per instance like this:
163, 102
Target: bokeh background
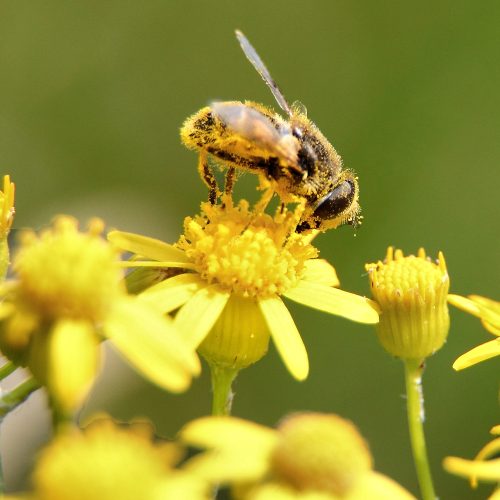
92, 95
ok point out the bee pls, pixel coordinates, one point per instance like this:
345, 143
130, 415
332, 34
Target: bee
290, 155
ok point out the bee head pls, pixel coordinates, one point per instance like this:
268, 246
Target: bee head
339, 206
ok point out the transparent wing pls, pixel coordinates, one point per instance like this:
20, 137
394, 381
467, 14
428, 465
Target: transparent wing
259, 65
259, 130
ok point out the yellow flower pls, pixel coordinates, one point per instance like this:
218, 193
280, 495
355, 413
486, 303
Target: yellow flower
109, 462
6, 218
411, 293
482, 467
7, 210
233, 266
68, 295
310, 456
489, 312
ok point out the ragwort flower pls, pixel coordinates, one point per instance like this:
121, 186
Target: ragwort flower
488, 311
234, 265
411, 292
68, 294
484, 467
309, 456
7, 212
106, 461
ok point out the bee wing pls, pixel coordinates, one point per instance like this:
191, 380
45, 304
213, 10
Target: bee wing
259, 65
258, 129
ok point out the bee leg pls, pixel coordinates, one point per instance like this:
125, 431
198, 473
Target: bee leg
208, 178
282, 207
228, 187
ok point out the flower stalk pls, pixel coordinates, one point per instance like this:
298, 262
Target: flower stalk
6, 369
416, 416
222, 394
411, 292
16, 396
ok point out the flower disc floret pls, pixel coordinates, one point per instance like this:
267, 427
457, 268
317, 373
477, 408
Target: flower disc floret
66, 273
253, 255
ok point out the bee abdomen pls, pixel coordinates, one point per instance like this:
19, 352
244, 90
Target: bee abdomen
198, 130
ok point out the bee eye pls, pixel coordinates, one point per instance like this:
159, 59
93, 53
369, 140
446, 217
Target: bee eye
337, 201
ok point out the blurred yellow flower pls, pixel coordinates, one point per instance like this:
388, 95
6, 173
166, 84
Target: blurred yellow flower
233, 265
411, 292
483, 467
7, 212
310, 456
110, 462
67, 295
7, 209
488, 311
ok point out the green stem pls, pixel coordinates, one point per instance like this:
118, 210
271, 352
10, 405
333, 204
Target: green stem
222, 396
7, 369
16, 396
415, 410
60, 418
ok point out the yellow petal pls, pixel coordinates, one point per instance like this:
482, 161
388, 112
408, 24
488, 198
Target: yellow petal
486, 303
241, 449
197, 316
148, 247
180, 485
482, 307
6, 309
489, 450
486, 471
376, 486
480, 353
173, 292
490, 327
463, 303
152, 344
157, 263
222, 467
19, 328
286, 337
227, 432
281, 491
334, 301
320, 271
495, 495
73, 358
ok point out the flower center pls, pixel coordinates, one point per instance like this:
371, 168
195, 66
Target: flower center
66, 273
251, 254
405, 275
320, 452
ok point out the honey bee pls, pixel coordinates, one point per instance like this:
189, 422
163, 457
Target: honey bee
291, 156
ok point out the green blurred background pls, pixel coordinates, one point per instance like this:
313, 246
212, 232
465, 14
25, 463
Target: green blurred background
92, 95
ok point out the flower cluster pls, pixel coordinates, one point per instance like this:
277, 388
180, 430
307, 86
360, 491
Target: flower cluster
220, 290
107, 461
68, 295
309, 455
485, 466
234, 265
